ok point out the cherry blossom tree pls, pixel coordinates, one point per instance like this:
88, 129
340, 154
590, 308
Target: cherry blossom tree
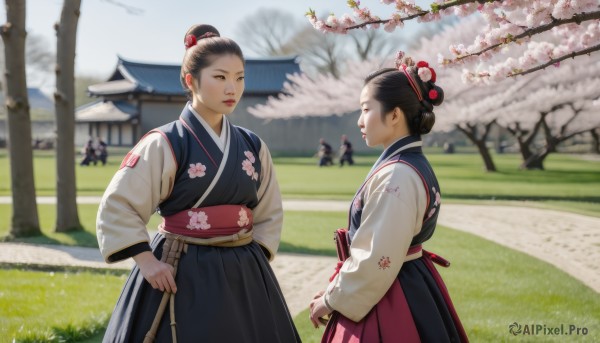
322, 95
566, 104
472, 109
508, 23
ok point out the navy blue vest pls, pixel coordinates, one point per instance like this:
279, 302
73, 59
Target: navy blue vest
198, 160
414, 158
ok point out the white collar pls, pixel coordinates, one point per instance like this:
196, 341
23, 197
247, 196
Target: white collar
219, 140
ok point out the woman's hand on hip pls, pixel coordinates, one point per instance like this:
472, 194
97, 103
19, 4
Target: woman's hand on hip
158, 274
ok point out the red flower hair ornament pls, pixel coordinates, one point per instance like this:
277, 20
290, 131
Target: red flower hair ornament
424, 71
191, 40
433, 94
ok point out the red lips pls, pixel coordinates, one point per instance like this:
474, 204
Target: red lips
229, 102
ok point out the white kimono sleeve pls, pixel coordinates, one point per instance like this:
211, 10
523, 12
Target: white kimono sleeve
144, 180
395, 203
268, 214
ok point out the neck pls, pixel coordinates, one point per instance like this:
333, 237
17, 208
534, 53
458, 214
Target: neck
214, 119
398, 136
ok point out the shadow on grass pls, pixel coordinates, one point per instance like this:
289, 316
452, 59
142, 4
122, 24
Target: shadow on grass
27, 267
297, 249
78, 238
71, 333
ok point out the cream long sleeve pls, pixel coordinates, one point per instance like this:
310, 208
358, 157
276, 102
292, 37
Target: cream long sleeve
394, 207
268, 214
133, 195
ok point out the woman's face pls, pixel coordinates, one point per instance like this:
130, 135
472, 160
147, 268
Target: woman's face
221, 86
374, 130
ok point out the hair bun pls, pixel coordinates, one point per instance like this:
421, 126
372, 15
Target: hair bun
198, 32
435, 94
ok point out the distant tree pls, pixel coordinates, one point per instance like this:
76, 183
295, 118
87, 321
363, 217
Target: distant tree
24, 220
272, 32
82, 82
67, 217
39, 59
508, 23
319, 54
268, 32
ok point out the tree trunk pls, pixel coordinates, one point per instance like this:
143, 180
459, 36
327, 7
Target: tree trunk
486, 156
24, 221
524, 149
595, 141
67, 218
535, 161
470, 132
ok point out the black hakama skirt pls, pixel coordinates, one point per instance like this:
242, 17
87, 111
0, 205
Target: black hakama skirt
224, 294
416, 308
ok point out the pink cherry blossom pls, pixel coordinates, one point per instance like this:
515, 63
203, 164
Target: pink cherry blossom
248, 167
244, 220
438, 197
198, 221
431, 212
250, 156
507, 23
196, 170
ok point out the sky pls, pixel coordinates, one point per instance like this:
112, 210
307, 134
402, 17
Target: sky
106, 31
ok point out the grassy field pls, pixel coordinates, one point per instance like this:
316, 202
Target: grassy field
491, 286
568, 182
54, 306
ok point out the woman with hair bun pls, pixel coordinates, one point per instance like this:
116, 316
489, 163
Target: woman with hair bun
205, 276
385, 288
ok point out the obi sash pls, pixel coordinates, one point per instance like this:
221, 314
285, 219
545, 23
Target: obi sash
213, 224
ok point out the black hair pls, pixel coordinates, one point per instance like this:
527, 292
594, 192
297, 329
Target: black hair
392, 89
200, 55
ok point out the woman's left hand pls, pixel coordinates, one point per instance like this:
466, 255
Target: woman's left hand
318, 310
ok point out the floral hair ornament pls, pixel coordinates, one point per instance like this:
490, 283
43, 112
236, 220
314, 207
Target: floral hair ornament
400, 65
425, 72
191, 40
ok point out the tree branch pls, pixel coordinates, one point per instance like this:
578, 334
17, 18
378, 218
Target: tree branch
130, 9
577, 18
557, 60
435, 8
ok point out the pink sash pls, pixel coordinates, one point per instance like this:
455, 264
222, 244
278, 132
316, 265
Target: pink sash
208, 222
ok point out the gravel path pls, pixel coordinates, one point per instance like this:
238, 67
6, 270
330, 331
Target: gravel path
569, 241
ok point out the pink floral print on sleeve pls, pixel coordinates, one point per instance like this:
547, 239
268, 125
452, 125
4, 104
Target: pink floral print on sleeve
384, 262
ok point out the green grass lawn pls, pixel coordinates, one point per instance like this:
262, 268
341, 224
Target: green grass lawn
54, 306
491, 286
566, 178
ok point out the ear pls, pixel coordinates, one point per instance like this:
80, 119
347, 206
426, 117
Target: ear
396, 116
189, 81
